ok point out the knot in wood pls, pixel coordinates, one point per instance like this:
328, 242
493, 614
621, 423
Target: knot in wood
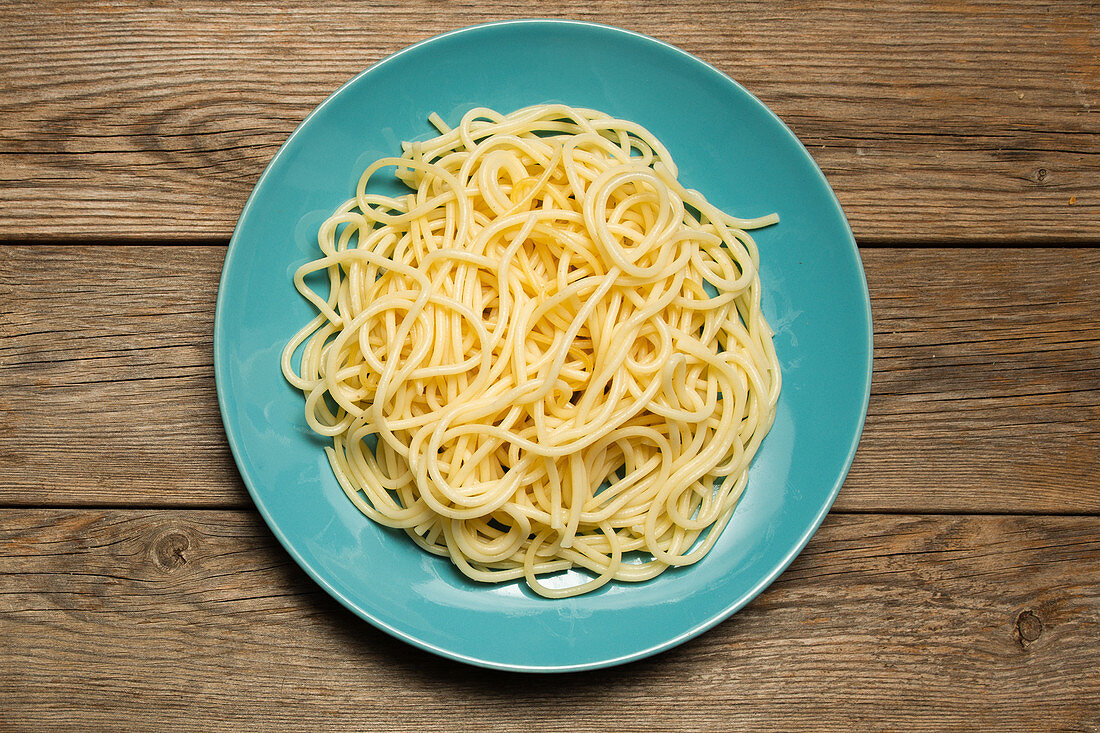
168, 550
1029, 627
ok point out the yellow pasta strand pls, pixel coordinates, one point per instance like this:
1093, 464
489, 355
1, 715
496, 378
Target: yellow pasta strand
547, 355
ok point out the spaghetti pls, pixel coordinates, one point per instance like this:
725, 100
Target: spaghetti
549, 355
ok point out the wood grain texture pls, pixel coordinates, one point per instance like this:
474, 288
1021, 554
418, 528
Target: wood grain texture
986, 386
154, 621
943, 121
107, 377
985, 398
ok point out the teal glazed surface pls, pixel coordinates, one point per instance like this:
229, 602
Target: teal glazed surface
729, 146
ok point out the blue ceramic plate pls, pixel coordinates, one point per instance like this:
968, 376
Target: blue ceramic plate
729, 146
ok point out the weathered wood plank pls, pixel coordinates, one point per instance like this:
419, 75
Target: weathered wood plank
153, 621
943, 121
107, 378
986, 393
986, 390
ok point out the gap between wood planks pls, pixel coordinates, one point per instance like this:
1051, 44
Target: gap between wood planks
124, 240
249, 508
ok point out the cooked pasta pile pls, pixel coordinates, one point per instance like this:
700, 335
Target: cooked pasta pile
549, 355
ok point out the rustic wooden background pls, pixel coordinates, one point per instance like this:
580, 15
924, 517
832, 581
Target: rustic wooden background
956, 584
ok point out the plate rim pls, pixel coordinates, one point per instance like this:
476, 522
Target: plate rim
741, 599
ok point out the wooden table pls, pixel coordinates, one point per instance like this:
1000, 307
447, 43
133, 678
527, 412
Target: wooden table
955, 585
